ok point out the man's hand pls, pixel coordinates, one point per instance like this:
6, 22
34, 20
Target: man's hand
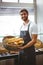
21, 48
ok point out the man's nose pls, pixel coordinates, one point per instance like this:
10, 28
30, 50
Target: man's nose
23, 15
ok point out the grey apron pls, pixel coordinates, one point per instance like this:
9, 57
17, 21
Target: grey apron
27, 56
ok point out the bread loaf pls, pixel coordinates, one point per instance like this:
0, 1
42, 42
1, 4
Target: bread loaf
14, 41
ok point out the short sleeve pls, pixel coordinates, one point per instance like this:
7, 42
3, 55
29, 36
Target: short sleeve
34, 29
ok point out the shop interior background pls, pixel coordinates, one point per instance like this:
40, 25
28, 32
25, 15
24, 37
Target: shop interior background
10, 21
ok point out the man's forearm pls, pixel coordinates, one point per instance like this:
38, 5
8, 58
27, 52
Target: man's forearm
29, 44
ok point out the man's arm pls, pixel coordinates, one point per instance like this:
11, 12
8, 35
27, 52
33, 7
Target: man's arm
32, 42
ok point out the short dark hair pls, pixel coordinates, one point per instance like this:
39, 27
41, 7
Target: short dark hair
24, 10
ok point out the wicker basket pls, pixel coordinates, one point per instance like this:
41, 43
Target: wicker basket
11, 45
38, 44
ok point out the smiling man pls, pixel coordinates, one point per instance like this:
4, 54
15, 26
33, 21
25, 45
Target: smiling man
28, 32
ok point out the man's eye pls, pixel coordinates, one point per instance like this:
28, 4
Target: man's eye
23, 14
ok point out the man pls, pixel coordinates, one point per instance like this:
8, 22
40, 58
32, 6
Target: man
29, 33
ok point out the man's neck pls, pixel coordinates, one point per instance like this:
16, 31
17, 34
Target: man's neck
25, 22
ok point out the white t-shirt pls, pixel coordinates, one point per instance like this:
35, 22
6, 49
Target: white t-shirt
32, 28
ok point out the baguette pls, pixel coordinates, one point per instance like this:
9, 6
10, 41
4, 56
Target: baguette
13, 40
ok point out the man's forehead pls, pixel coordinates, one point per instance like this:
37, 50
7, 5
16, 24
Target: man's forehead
23, 12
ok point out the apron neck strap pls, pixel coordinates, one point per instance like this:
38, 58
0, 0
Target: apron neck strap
28, 26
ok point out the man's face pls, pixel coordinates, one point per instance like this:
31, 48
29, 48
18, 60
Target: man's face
24, 15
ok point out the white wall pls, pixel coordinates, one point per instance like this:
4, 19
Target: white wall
40, 18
